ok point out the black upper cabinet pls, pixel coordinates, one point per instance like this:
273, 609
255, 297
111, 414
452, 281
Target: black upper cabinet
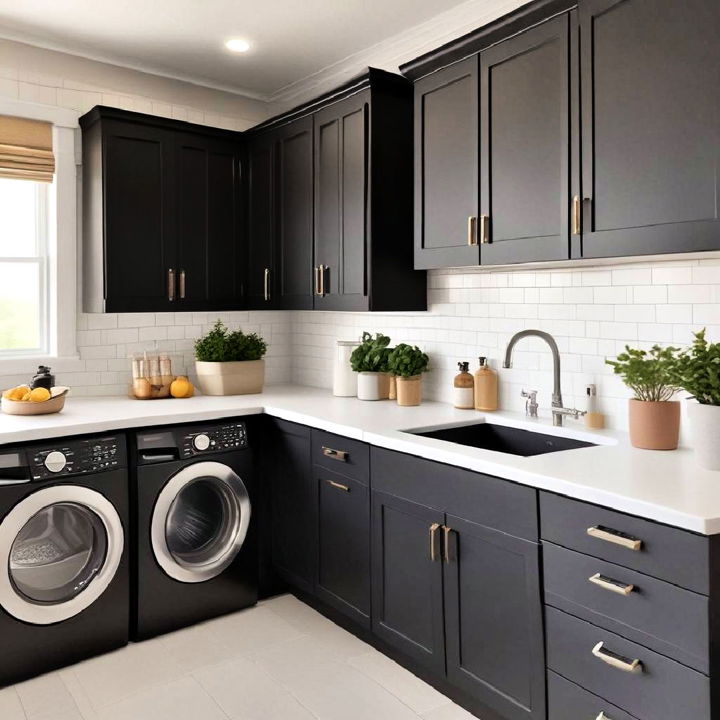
161, 214
525, 142
446, 167
650, 131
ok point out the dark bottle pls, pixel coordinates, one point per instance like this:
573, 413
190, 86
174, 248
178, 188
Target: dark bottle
44, 378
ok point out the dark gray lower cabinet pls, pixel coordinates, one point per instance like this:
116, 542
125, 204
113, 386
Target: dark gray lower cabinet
343, 543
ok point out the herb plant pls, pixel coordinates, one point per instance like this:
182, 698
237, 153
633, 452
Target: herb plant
222, 345
407, 361
697, 370
372, 354
649, 374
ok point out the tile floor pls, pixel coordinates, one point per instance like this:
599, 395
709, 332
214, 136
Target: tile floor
278, 661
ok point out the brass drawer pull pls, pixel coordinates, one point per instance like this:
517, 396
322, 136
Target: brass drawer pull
612, 585
171, 284
323, 268
316, 273
616, 537
340, 455
472, 231
182, 284
446, 544
484, 229
576, 227
339, 486
615, 660
434, 542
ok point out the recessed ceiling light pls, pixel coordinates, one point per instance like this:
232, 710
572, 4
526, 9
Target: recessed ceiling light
237, 45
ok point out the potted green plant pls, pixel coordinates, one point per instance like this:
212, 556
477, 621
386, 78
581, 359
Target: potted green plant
697, 371
370, 361
408, 363
230, 363
654, 417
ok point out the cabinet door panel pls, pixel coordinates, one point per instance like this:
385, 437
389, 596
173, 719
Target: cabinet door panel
446, 166
525, 145
294, 214
650, 126
407, 583
343, 544
139, 217
493, 619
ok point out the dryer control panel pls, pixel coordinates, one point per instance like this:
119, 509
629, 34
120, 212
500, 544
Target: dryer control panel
77, 456
217, 438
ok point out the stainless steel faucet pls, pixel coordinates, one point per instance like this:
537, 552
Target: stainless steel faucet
558, 411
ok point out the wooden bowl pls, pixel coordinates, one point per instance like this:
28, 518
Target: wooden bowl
53, 404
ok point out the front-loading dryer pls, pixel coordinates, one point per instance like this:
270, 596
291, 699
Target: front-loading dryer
64, 576
195, 550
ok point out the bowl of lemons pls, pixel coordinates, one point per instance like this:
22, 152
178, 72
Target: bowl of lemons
23, 400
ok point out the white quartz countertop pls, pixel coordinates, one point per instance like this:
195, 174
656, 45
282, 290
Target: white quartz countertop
664, 486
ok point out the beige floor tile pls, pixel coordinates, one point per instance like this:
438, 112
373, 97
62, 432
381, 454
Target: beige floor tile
87, 711
45, 694
245, 691
10, 705
183, 699
449, 712
414, 692
197, 647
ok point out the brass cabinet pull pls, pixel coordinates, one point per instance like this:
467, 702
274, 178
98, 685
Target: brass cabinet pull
322, 280
434, 541
341, 455
171, 284
616, 661
484, 229
446, 543
615, 537
339, 486
266, 284
316, 272
612, 585
182, 284
576, 227
472, 230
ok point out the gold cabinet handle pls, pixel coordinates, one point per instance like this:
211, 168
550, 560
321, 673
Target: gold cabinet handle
171, 284
472, 230
266, 284
339, 486
323, 268
182, 284
612, 585
615, 537
316, 272
616, 661
434, 541
341, 455
576, 227
446, 544
484, 229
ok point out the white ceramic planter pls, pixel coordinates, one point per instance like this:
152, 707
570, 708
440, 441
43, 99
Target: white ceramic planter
373, 386
705, 426
231, 378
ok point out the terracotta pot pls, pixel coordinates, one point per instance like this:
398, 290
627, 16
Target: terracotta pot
654, 425
231, 378
705, 424
409, 391
373, 386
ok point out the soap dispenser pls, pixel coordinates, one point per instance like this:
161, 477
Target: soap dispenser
486, 386
463, 396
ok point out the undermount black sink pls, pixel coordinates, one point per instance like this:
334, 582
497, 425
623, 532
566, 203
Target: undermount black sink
504, 439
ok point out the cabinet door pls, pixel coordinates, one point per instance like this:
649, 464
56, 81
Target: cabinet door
650, 73
261, 250
293, 515
209, 249
341, 204
493, 619
407, 606
294, 215
343, 544
140, 244
446, 167
525, 141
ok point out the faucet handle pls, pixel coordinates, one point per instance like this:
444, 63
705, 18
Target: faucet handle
531, 404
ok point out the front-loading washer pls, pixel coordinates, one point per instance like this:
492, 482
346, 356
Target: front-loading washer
195, 550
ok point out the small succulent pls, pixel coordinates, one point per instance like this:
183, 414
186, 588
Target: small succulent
407, 361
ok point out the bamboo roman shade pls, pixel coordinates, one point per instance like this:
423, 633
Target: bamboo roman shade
26, 150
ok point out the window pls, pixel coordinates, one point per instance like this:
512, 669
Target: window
23, 267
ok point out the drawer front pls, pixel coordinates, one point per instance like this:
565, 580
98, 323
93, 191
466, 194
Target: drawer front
678, 556
341, 455
657, 689
568, 701
662, 616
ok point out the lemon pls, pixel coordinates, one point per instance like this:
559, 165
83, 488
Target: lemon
39, 394
16, 393
181, 387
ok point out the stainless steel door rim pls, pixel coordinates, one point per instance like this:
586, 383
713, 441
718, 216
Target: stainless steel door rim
228, 537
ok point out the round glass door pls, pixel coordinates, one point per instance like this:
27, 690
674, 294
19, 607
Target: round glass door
57, 553
200, 521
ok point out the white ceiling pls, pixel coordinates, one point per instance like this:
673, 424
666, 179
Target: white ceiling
291, 39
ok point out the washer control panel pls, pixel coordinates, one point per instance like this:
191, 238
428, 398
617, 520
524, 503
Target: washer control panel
214, 438
85, 455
